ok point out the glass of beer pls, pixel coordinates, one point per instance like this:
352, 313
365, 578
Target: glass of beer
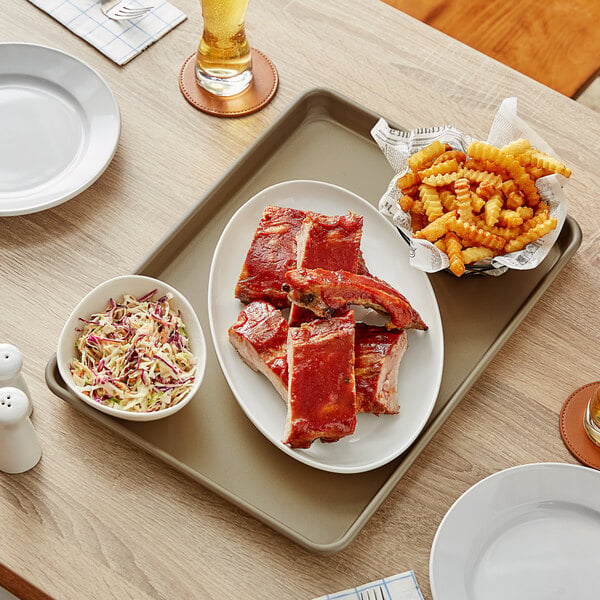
223, 60
591, 417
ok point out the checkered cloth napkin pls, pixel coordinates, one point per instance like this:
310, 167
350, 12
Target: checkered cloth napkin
118, 40
403, 586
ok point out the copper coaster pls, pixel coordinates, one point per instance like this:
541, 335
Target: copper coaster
572, 430
260, 92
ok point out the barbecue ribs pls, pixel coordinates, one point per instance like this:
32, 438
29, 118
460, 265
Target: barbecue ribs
321, 394
323, 292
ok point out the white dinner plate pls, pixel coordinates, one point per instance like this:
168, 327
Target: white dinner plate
59, 125
377, 440
526, 533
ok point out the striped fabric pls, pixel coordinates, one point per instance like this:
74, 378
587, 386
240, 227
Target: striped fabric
118, 40
403, 586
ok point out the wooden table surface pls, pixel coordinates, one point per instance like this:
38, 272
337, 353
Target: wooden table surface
99, 518
533, 39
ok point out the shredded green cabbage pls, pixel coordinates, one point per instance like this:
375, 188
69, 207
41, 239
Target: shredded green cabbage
135, 356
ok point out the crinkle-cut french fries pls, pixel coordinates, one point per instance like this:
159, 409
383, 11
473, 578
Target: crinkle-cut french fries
477, 235
436, 229
531, 235
516, 170
424, 158
517, 147
408, 180
462, 189
474, 253
478, 204
431, 202
457, 155
493, 208
454, 252
440, 168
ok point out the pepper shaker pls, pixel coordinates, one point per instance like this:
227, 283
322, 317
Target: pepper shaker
11, 363
20, 449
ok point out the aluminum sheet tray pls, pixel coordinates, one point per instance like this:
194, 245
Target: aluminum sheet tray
321, 136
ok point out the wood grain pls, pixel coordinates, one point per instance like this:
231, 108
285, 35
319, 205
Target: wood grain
554, 42
98, 518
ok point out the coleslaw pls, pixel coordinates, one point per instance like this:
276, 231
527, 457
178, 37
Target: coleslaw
135, 356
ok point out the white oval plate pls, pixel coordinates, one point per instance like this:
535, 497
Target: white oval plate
377, 440
60, 126
526, 533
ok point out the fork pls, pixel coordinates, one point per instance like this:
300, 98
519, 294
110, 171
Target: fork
372, 594
120, 10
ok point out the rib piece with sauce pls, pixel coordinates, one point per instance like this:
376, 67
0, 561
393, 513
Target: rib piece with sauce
324, 291
260, 337
321, 391
271, 253
378, 353
329, 242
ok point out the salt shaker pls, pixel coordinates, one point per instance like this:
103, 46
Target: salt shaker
20, 449
11, 363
